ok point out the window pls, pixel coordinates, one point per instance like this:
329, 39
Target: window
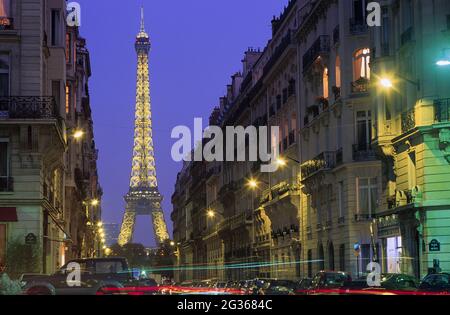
68, 98
367, 195
361, 64
108, 267
338, 71
56, 28
69, 48
310, 258
4, 74
4, 160
359, 11
385, 29
330, 256
321, 257
412, 176
341, 205
2, 245
342, 257
56, 93
407, 14
4, 8
325, 83
5, 174
363, 130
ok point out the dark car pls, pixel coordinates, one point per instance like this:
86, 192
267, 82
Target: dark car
279, 287
328, 282
438, 282
398, 282
303, 286
388, 282
96, 276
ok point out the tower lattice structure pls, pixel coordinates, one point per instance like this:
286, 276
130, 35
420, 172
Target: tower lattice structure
143, 197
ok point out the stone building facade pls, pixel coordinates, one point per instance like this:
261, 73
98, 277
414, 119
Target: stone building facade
36, 209
364, 167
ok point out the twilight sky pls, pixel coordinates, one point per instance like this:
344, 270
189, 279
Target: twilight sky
196, 46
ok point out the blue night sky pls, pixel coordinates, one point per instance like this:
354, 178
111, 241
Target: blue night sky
196, 46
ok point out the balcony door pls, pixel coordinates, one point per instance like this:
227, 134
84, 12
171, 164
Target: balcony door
363, 130
359, 11
4, 74
4, 165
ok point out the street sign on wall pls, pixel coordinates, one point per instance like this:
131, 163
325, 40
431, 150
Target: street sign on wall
434, 246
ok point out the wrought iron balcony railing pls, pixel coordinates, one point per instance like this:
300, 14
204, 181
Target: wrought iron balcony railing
324, 161
408, 120
28, 107
442, 110
358, 26
6, 23
320, 47
6, 184
360, 86
285, 42
363, 152
363, 217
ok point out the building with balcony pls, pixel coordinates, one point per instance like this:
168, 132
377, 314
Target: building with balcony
410, 135
40, 223
339, 172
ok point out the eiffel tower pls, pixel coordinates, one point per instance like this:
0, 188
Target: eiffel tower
143, 197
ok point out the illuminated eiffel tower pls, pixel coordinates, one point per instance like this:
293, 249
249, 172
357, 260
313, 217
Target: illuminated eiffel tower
143, 197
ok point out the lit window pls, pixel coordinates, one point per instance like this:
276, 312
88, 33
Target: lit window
68, 48
4, 8
367, 195
325, 83
67, 98
338, 71
361, 64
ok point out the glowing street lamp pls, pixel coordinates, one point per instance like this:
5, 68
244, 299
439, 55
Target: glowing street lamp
78, 134
172, 243
444, 61
252, 183
210, 213
281, 162
386, 83
95, 202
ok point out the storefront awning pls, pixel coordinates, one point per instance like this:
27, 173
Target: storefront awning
8, 214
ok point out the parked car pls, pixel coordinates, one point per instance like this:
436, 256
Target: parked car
328, 282
303, 286
437, 282
97, 276
279, 287
399, 282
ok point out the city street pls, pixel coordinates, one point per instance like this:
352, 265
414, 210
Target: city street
223, 148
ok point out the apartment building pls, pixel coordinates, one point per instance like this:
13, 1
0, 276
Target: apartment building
36, 134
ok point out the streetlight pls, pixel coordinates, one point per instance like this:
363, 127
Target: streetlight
387, 83
100, 224
95, 202
78, 134
444, 59
210, 213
